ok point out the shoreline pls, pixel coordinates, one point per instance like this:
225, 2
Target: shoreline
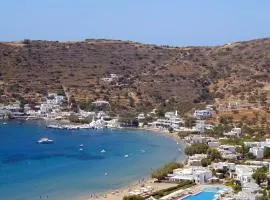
118, 194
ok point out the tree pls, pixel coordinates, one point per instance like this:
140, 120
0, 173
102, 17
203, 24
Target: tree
160, 112
266, 152
225, 120
260, 175
219, 130
168, 168
133, 197
196, 149
74, 119
213, 154
190, 122
236, 186
205, 162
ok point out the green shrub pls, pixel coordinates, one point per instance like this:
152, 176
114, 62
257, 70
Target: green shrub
266, 152
133, 197
205, 162
213, 154
168, 168
260, 175
196, 149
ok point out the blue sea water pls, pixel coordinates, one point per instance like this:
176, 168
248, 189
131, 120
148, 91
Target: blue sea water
60, 171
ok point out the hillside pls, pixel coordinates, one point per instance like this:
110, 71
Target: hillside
148, 75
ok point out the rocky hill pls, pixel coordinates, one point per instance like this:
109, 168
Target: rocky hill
147, 75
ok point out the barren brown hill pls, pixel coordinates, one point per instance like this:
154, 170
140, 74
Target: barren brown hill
148, 74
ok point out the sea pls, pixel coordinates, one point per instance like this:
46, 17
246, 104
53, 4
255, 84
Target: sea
59, 171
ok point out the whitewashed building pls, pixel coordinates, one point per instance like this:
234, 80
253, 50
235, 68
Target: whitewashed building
227, 166
243, 173
199, 175
196, 159
258, 152
141, 116
171, 120
202, 114
235, 132
228, 151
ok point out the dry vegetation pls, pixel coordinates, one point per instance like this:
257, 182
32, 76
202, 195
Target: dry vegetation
149, 74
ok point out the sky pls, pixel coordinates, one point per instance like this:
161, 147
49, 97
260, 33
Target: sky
167, 22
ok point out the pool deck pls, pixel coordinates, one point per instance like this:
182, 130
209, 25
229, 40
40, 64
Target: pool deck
181, 194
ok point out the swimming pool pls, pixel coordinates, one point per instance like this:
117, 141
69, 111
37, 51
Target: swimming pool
206, 194
201, 196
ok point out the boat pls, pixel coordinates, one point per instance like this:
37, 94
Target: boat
54, 126
45, 141
81, 149
81, 145
103, 151
126, 156
5, 123
106, 174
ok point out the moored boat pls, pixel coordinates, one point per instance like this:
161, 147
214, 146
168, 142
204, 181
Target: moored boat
45, 141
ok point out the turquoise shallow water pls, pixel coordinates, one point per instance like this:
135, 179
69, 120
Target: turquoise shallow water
202, 196
207, 194
60, 171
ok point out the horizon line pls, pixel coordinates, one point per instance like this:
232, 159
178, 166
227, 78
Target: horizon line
132, 41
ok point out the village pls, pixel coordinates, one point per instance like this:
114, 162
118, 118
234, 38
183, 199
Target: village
221, 153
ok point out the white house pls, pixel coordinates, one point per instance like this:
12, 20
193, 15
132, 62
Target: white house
259, 163
243, 173
257, 148
87, 114
202, 114
224, 166
252, 144
196, 159
32, 114
45, 108
265, 143
213, 144
12, 107
258, 152
195, 139
236, 132
141, 116
172, 119
199, 175
228, 151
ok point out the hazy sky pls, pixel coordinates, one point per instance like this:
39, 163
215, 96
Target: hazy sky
174, 22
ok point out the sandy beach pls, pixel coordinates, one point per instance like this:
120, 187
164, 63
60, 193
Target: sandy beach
120, 193
165, 132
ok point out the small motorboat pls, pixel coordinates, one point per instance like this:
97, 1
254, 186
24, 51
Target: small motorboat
106, 174
81, 149
45, 141
126, 156
81, 145
103, 151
